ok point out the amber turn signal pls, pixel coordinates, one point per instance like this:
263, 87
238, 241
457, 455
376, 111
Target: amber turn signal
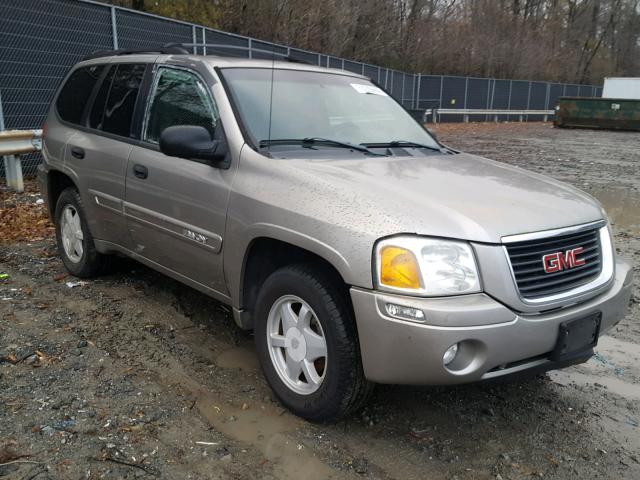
399, 268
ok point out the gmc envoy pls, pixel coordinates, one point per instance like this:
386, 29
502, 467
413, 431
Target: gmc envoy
357, 248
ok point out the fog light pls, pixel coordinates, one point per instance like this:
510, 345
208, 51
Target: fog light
450, 354
405, 313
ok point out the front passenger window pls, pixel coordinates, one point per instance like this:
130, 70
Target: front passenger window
179, 98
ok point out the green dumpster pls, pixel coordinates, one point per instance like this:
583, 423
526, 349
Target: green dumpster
607, 113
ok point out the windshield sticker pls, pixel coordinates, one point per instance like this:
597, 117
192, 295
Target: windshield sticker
372, 89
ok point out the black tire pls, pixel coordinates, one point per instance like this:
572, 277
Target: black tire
91, 263
344, 388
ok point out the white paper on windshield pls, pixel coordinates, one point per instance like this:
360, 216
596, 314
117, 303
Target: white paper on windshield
360, 88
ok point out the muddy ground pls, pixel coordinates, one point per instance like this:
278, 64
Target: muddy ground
134, 375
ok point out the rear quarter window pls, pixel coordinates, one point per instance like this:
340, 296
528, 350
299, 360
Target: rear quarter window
75, 93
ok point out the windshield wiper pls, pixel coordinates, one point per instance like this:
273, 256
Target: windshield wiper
310, 141
400, 144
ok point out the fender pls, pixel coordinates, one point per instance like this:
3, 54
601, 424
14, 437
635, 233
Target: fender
236, 250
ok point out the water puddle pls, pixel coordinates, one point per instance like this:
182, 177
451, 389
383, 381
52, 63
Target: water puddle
265, 427
243, 357
619, 351
612, 383
269, 431
622, 206
607, 368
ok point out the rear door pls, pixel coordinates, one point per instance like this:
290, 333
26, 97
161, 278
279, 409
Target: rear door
176, 208
98, 151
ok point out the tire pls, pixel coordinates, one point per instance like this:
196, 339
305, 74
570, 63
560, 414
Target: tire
80, 257
340, 386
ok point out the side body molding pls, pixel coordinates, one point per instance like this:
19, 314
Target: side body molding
181, 230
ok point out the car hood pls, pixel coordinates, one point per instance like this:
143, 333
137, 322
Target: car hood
455, 196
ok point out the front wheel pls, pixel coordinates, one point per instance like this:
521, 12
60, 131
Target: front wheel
307, 344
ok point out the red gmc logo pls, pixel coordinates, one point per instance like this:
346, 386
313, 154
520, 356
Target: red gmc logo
556, 262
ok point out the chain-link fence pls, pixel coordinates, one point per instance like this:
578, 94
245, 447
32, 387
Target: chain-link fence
41, 40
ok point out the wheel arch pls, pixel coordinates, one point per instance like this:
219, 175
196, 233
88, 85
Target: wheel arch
57, 182
265, 254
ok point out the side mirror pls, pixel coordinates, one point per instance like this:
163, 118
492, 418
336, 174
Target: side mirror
191, 142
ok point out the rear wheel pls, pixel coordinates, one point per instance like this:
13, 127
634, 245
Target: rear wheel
75, 242
307, 343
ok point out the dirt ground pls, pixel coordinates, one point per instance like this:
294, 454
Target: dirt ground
134, 375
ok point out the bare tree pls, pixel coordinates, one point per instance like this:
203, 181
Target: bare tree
557, 40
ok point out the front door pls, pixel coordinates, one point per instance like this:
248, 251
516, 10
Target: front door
176, 208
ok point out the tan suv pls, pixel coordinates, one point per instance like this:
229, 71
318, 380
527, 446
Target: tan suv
358, 248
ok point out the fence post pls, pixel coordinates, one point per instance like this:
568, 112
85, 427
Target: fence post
250, 47
418, 91
509, 100
493, 98
12, 165
547, 97
441, 85
194, 39
486, 117
404, 75
528, 100
204, 43
114, 28
466, 89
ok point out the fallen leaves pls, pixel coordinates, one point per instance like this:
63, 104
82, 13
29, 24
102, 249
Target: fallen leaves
10, 358
23, 221
8, 454
34, 358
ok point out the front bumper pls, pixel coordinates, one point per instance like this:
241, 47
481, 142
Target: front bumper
496, 341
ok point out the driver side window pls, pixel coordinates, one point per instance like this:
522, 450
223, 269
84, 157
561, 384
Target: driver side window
179, 98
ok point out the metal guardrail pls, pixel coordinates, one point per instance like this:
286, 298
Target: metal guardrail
17, 142
467, 112
14, 143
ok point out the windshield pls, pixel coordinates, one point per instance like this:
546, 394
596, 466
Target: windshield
319, 105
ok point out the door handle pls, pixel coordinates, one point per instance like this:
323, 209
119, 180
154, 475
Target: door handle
140, 171
77, 152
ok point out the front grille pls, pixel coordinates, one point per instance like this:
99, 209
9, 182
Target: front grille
528, 268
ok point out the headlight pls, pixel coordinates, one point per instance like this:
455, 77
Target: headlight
426, 266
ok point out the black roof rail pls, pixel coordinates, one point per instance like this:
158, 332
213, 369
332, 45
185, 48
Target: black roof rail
172, 49
282, 56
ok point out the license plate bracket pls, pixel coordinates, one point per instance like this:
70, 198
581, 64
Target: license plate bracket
577, 335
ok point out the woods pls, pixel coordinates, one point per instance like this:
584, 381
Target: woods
579, 41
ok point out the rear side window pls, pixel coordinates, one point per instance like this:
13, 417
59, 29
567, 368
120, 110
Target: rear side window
76, 91
179, 98
121, 99
97, 110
